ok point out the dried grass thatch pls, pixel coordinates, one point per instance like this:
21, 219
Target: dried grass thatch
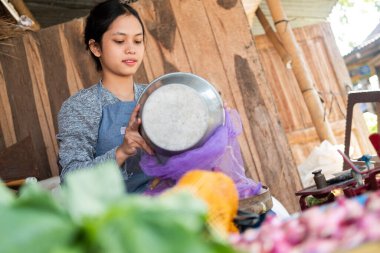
9, 29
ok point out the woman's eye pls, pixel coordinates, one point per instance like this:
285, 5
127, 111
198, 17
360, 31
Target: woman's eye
138, 41
119, 41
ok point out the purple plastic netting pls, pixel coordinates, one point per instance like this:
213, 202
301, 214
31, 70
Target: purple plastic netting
221, 152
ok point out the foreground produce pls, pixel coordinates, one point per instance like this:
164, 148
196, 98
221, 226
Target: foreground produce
341, 226
92, 213
219, 193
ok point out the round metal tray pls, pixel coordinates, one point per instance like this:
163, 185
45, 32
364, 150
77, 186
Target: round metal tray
179, 111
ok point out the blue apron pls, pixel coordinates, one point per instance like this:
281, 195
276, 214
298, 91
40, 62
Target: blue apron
115, 118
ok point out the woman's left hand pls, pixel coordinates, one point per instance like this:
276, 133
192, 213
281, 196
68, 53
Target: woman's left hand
132, 139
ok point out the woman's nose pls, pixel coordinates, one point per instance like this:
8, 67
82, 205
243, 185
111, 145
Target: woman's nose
129, 49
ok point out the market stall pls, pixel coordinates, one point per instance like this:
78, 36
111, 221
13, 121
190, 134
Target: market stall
56, 67
200, 214
222, 180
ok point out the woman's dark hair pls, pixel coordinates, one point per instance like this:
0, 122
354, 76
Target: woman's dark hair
101, 17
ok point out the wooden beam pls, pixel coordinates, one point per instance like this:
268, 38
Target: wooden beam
49, 15
70, 4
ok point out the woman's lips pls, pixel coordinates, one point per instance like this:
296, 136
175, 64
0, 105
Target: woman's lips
130, 62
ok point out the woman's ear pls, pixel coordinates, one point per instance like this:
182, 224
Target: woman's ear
94, 47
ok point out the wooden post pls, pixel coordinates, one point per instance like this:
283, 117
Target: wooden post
301, 72
272, 36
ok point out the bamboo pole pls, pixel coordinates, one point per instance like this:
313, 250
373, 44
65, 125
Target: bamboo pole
22, 9
285, 57
301, 72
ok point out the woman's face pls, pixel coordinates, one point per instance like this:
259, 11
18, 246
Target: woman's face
122, 46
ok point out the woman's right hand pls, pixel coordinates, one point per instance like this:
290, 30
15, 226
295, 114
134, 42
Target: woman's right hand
132, 140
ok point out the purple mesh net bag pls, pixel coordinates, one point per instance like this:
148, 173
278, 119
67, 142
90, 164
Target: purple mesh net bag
221, 152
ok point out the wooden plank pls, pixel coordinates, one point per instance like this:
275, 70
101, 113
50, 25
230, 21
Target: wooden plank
21, 100
323, 77
205, 60
73, 80
17, 161
331, 79
41, 99
327, 80
141, 76
165, 52
296, 117
80, 67
2, 141
292, 110
308, 135
6, 121
344, 82
200, 45
323, 31
50, 51
241, 63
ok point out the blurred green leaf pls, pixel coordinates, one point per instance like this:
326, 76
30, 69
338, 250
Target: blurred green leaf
69, 249
89, 192
34, 222
33, 230
93, 214
6, 196
167, 224
32, 195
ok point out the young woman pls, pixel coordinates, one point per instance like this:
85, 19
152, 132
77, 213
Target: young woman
101, 122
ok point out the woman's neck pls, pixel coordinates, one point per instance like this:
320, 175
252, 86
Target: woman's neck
120, 87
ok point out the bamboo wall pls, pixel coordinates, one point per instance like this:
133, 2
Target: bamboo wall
332, 82
209, 38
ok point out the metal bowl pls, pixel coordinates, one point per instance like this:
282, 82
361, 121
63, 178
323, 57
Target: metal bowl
179, 112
